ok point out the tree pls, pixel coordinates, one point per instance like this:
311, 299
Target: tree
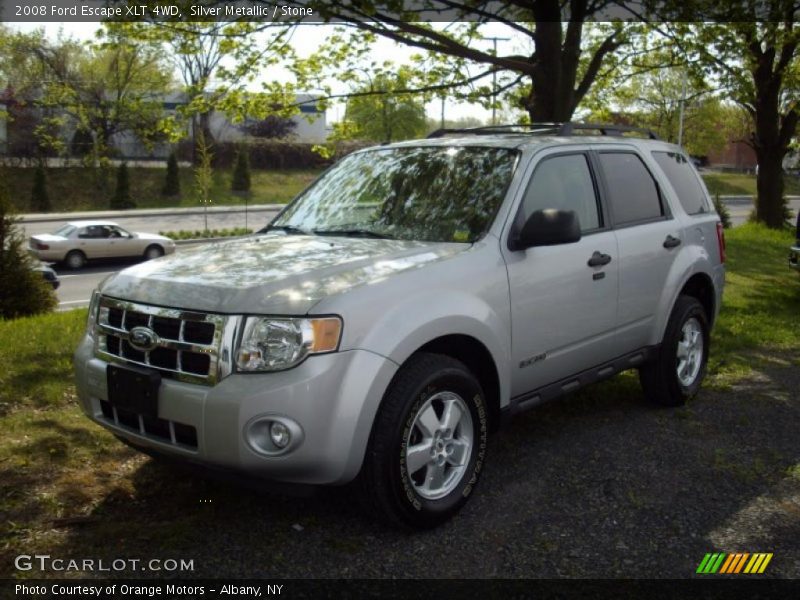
121, 199
109, 88
655, 99
172, 182
753, 51
270, 127
230, 55
241, 172
386, 116
40, 201
551, 80
23, 291
203, 174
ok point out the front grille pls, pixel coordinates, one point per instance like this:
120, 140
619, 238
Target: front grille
171, 432
185, 345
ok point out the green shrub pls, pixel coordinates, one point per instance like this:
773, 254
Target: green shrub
241, 173
121, 199
723, 212
172, 183
23, 291
40, 200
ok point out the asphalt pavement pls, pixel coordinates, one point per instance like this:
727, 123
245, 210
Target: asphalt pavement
76, 286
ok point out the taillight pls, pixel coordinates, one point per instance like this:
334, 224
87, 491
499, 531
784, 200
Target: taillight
721, 241
39, 245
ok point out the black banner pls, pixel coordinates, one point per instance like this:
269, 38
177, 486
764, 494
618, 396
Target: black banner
705, 587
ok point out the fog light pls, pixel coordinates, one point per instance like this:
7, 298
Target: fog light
279, 434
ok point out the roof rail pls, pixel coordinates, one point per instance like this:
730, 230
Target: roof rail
559, 129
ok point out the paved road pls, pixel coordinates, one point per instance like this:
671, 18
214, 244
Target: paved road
153, 222
76, 288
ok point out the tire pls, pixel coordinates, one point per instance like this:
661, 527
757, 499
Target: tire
677, 372
75, 259
413, 414
154, 251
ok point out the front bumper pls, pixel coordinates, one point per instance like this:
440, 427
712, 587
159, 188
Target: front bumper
332, 397
794, 257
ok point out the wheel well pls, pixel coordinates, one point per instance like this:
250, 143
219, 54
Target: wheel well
699, 286
478, 360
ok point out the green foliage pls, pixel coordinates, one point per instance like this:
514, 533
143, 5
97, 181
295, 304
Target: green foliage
40, 200
22, 291
121, 199
185, 234
723, 212
241, 172
203, 173
172, 182
102, 89
382, 113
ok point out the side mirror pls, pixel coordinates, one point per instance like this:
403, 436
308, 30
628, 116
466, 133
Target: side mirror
547, 227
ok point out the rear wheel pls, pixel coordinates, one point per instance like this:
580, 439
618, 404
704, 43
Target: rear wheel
75, 259
153, 251
678, 371
428, 443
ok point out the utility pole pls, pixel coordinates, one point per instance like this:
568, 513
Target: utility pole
494, 77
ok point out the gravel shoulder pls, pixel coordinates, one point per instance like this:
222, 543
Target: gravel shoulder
597, 485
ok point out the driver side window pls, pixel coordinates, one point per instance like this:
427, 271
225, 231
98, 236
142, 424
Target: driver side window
564, 182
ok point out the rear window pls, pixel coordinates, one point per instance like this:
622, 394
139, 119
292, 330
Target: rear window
64, 231
633, 192
684, 181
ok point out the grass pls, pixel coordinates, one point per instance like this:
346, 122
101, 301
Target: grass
761, 307
70, 486
186, 234
79, 189
739, 184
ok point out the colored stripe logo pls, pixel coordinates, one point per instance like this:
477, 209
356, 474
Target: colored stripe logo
734, 563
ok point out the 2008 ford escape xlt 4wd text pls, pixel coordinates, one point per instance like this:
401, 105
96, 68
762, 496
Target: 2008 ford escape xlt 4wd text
406, 303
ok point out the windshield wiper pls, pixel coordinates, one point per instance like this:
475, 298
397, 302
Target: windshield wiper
365, 233
288, 229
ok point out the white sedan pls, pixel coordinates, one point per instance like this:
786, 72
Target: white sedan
78, 241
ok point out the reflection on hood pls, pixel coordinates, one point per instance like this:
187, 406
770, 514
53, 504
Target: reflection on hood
271, 274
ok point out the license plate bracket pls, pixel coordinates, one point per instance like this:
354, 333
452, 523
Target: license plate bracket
134, 390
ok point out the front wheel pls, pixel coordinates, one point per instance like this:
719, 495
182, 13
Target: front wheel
75, 260
428, 443
678, 371
153, 251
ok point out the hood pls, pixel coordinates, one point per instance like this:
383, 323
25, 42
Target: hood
271, 274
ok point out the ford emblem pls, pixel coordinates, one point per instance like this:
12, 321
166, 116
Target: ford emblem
143, 339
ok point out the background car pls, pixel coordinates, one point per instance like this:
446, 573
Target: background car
49, 275
78, 241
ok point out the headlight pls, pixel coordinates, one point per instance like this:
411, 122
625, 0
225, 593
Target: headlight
274, 344
91, 320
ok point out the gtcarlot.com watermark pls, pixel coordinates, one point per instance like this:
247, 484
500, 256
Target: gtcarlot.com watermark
45, 562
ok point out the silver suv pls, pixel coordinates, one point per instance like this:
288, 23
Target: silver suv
408, 302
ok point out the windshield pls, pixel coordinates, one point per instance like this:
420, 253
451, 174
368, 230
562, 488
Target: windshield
424, 193
64, 230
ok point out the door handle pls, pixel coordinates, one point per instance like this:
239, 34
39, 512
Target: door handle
671, 242
599, 259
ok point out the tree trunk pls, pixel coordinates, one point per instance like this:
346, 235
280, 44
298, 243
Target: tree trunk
769, 184
770, 147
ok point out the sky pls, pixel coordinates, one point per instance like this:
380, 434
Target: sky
383, 50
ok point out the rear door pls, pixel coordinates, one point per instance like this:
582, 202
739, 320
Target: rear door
563, 309
93, 241
648, 236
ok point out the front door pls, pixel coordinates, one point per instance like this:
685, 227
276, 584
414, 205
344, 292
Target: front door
563, 308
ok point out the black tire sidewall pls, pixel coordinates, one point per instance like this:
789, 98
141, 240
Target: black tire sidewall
68, 257
423, 511
687, 310
158, 252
